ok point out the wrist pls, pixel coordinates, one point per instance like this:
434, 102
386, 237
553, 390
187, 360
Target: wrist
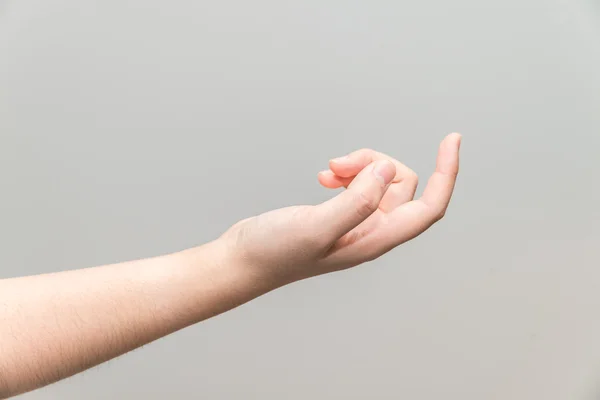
239, 269
221, 279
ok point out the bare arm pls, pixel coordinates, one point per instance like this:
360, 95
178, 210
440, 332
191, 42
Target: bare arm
55, 325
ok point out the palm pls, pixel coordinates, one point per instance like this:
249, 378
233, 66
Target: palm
365, 229
352, 227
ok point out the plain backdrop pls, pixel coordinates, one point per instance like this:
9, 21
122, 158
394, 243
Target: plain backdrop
134, 128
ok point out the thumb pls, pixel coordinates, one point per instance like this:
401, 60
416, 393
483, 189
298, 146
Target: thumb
342, 213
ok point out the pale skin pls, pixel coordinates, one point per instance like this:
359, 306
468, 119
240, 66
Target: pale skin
55, 325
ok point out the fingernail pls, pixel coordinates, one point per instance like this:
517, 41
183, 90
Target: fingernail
458, 137
384, 171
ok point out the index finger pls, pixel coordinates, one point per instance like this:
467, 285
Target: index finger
440, 186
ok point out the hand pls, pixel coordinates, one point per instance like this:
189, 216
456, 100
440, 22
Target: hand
80, 318
375, 214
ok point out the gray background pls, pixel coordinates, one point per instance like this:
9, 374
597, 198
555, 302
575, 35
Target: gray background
136, 128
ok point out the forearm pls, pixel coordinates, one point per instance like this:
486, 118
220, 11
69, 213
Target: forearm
55, 325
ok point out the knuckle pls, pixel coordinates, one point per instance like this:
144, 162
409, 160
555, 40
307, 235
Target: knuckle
440, 214
371, 255
365, 205
413, 177
373, 252
362, 153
